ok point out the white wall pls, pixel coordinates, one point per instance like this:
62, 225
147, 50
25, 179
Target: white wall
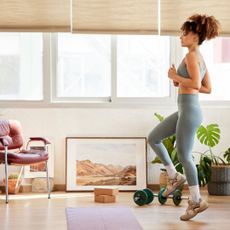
58, 123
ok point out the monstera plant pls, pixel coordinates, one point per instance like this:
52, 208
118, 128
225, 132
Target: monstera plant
209, 136
213, 169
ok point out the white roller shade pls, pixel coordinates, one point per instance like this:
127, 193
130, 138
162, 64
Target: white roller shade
35, 15
174, 13
114, 16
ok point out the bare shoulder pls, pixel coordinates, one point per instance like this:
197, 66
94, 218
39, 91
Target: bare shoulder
191, 57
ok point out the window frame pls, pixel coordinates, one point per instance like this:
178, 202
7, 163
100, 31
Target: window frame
69, 100
113, 99
49, 84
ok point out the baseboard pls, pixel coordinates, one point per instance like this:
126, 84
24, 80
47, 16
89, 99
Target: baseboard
156, 187
23, 189
62, 187
26, 188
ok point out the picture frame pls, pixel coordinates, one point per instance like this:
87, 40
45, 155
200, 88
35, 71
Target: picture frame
39, 169
118, 162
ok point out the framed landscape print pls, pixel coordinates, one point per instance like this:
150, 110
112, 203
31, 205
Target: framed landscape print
105, 161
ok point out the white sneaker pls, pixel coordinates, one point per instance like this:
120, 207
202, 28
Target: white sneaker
173, 184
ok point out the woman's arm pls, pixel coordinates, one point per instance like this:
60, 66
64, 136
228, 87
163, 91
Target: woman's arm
206, 86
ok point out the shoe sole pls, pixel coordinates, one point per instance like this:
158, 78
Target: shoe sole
199, 211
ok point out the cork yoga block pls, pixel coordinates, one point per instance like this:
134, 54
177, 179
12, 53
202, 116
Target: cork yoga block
106, 191
105, 199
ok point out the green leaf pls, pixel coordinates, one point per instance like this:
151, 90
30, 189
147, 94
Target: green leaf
204, 170
227, 155
179, 168
156, 160
209, 135
159, 117
169, 144
174, 155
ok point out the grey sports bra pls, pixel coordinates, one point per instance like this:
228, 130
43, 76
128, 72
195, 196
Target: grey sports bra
183, 72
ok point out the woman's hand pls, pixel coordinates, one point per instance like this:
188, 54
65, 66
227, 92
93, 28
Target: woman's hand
172, 72
175, 83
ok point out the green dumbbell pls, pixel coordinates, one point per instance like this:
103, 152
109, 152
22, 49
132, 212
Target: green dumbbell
142, 197
176, 196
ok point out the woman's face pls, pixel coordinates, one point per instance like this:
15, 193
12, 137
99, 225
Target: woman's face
188, 39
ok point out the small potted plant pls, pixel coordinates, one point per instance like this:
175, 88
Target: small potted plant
213, 169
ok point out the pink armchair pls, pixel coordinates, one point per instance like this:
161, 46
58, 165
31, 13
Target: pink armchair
11, 152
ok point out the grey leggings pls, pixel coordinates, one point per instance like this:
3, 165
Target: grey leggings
184, 124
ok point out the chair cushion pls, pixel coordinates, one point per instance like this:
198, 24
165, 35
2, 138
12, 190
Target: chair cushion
4, 127
24, 157
11, 130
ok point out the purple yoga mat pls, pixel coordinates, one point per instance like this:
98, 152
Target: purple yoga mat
101, 218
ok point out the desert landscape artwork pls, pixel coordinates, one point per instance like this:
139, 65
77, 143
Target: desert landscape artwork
89, 173
119, 162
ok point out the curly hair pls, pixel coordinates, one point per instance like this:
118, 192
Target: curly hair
206, 27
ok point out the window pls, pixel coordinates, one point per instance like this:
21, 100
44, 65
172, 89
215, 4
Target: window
142, 65
21, 66
217, 56
92, 66
84, 66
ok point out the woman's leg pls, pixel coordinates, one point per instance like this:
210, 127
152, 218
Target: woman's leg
163, 130
185, 134
190, 118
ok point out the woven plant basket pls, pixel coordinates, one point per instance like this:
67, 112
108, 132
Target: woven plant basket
220, 180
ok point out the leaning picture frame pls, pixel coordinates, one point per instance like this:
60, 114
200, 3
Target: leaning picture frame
118, 162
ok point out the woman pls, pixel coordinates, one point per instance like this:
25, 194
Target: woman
191, 78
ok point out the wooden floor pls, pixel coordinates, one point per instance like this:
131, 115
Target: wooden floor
36, 212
